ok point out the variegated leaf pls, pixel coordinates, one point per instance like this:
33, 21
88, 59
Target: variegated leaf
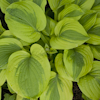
59, 88
24, 21
68, 34
78, 61
90, 84
28, 73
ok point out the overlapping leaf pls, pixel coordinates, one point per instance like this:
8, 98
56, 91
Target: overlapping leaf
7, 47
72, 11
88, 19
1, 28
24, 21
68, 34
78, 61
28, 74
94, 33
58, 89
49, 29
85, 4
90, 84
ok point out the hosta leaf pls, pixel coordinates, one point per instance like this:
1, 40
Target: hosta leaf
2, 77
21, 98
56, 4
58, 89
96, 51
5, 3
49, 29
78, 61
0, 93
88, 19
68, 34
60, 67
85, 97
28, 73
73, 11
10, 89
7, 47
85, 4
24, 21
1, 28
9, 97
41, 3
90, 84
94, 33
97, 2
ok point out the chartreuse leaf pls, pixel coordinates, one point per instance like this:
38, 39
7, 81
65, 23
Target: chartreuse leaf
73, 11
68, 34
7, 47
88, 19
85, 97
59, 88
5, 3
2, 77
28, 73
49, 29
24, 21
41, 3
94, 33
56, 4
1, 28
78, 61
90, 84
60, 67
10, 89
8, 34
85, 4
96, 51
9, 97
21, 98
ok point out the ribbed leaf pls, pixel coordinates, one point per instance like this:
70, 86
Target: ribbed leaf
7, 47
78, 61
73, 11
56, 4
1, 28
85, 4
68, 34
58, 89
21, 98
60, 67
2, 77
96, 51
94, 33
28, 74
49, 29
85, 97
24, 21
88, 19
90, 84
5, 3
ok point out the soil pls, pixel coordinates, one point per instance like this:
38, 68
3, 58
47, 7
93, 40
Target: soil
76, 91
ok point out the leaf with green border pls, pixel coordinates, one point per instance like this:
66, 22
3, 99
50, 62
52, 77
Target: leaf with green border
58, 89
28, 73
24, 21
7, 47
78, 61
90, 84
69, 34
72, 11
88, 19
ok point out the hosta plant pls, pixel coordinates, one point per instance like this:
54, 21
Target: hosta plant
49, 45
